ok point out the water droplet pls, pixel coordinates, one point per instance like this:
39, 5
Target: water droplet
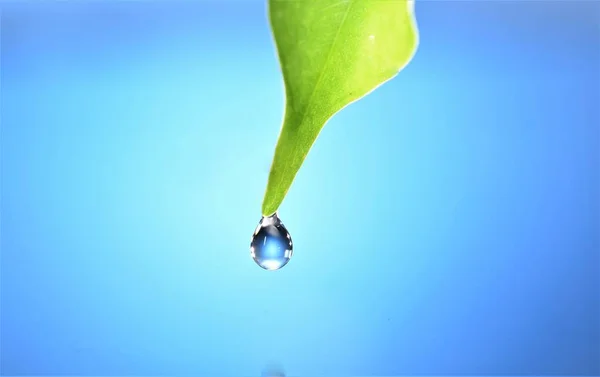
271, 246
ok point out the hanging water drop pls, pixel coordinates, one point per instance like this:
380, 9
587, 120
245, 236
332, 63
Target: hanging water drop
271, 246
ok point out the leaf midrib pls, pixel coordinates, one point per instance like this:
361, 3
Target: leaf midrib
317, 86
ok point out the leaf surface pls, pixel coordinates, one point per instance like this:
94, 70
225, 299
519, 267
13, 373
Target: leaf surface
331, 53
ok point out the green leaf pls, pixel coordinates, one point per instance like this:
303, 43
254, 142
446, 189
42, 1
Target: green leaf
332, 53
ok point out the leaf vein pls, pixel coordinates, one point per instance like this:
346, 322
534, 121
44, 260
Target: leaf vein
317, 85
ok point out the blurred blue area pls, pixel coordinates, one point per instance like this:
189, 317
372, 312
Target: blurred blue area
446, 224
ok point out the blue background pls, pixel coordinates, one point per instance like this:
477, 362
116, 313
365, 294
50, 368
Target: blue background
448, 223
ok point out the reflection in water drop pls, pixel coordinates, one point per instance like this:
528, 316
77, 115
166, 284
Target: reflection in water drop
271, 246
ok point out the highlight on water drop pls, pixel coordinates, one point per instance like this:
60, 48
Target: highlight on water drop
271, 246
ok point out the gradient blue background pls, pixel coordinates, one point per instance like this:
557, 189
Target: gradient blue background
446, 224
